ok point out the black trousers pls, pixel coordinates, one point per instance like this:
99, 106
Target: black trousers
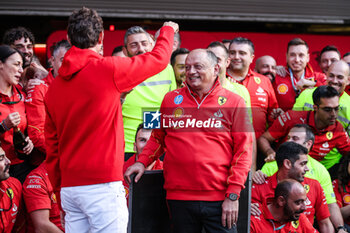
193, 216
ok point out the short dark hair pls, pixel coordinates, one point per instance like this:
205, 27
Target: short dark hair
323, 92
60, 44
84, 28
6, 51
242, 40
284, 188
343, 174
17, 33
328, 48
225, 41
309, 134
117, 49
346, 54
297, 41
138, 129
218, 44
179, 51
290, 151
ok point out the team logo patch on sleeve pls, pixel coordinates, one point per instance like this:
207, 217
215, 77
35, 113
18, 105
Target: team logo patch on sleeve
257, 80
53, 198
178, 99
295, 224
222, 100
346, 199
329, 135
9, 192
282, 89
307, 188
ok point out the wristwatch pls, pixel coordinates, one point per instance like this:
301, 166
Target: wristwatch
2, 128
232, 196
341, 227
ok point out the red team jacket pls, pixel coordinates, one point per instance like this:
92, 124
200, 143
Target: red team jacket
8, 105
285, 92
208, 144
265, 223
84, 126
315, 202
262, 98
9, 189
38, 195
343, 196
334, 136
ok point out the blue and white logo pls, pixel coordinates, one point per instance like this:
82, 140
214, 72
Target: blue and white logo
151, 120
178, 99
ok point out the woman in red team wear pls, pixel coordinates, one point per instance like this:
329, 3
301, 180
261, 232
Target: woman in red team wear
341, 188
12, 111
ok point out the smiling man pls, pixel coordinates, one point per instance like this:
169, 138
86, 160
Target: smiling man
148, 94
284, 212
330, 136
299, 74
291, 160
338, 77
203, 183
262, 96
23, 40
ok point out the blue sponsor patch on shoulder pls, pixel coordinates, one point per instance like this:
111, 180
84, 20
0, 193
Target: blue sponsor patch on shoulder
178, 99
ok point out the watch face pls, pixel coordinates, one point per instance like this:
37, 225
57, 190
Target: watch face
233, 196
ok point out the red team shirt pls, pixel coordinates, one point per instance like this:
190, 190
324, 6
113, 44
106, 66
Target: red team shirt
9, 188
284, 89
334, 136
5, 109
315, 202
38, 194
343, 196
262, 98
35, 108
265, 223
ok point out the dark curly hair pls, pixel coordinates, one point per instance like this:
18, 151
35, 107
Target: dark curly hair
14, 34
84, 28
343, 174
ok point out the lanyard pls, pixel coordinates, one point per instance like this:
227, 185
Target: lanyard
292, 79
13, 102
274, 227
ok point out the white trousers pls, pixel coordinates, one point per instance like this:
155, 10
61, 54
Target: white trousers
95, 208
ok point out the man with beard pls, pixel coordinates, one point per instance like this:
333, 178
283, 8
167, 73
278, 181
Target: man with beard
177, 61
303, 135
10, 196
298, 74
330, 135
291, 160
284, 212
149, 94
266, 65
338, 77
23, 40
